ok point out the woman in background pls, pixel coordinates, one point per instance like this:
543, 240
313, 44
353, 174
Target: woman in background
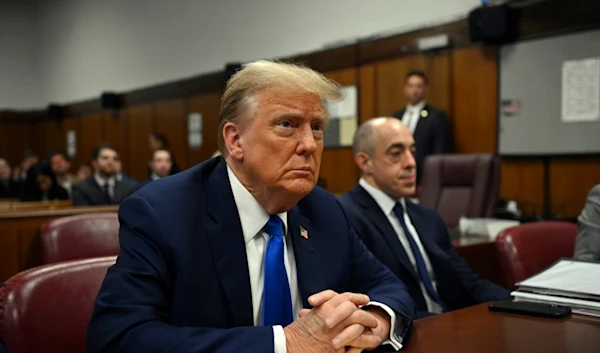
41, 185
587, 243
158, 140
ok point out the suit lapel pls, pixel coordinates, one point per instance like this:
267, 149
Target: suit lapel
309, 276
381, 222
426, 234
224, 232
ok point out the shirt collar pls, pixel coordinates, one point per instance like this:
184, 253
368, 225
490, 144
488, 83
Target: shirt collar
418, 107
385, 202
101, 182
153, 176
253, 215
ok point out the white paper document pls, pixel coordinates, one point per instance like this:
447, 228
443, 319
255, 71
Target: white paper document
345, 107
581, 90
567, 276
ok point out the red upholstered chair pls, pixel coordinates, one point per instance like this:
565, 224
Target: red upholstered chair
529, 248
47, 309
460, 185
80, 236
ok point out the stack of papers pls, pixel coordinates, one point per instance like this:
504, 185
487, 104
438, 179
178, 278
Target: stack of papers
489, 227
567, 282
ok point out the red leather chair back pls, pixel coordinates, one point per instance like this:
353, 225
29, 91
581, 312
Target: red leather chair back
47, 309
81, 236
529, 248
458, 185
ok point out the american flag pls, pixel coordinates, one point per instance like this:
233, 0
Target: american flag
303, 233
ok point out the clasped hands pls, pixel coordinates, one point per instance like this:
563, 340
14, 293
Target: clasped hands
336, 323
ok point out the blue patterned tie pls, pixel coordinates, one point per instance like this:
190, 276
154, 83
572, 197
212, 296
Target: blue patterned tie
277, 300
399, 211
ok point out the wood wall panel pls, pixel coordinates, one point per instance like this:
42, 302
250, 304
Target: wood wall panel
522, 182
15, 138
47, 137
570, 181
337, 164
115, 129
208, 105
475, 99
90, 137
338, 170
366, 91
140, 127
170, 118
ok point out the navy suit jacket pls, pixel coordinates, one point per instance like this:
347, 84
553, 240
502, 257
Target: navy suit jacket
458, 285
181, 282
432, 135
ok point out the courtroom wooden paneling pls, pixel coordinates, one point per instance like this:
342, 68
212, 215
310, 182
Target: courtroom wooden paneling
522, 181
390, 78
475, 99
366, 91
140, 127
47, 137
571, 179
89, 138
338, 169
208, 105
14, 139
115, 129
170, 118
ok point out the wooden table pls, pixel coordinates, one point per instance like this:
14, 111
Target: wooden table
20, 236
476, 330
481, 254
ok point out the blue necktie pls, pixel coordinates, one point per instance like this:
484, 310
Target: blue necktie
422, 268
277, 300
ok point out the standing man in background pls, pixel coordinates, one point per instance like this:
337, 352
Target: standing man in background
428, 125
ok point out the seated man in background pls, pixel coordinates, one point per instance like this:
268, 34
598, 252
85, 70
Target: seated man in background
587, 243
8, 187
61, 167
428, 125
222, 257
160, 165
410, 239
101, 188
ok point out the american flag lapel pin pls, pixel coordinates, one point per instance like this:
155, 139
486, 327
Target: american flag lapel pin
303, 233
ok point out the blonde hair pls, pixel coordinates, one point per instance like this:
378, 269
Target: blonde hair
261, 75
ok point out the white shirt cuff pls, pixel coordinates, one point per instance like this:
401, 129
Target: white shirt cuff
279, 343
395, 341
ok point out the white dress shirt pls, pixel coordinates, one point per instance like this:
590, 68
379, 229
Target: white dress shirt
111, 184
411, 116
387, 205
253, 218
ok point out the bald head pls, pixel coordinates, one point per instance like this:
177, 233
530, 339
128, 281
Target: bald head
367, 134
384, 151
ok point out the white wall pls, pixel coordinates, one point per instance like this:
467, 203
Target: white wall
19, 75
87, 46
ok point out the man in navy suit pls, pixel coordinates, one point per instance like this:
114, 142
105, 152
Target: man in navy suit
408, 238
242, 253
